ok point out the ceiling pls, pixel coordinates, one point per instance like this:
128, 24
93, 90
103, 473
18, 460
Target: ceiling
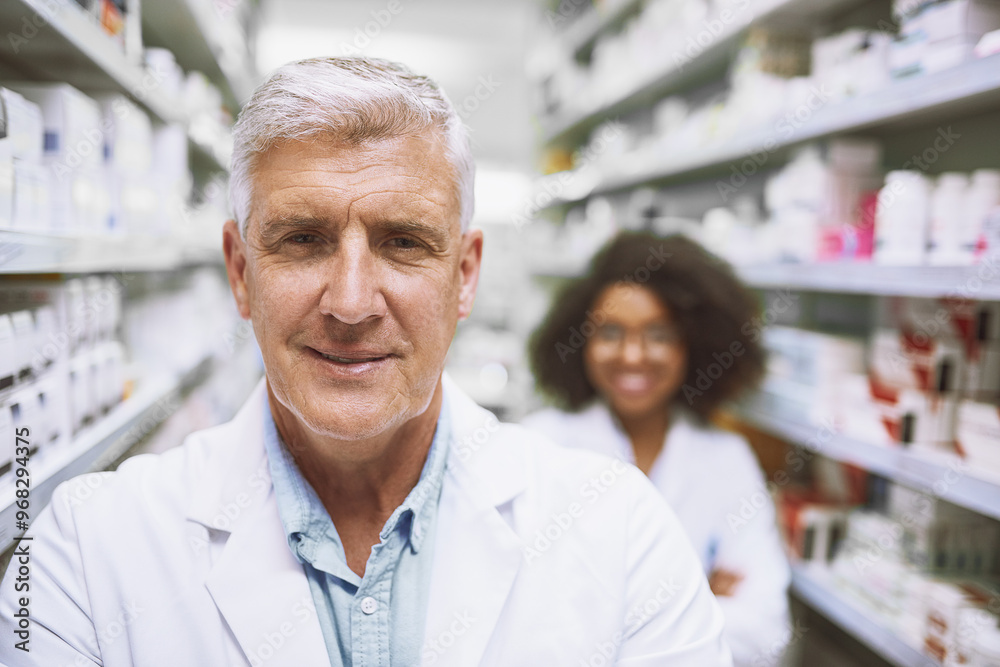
474, 50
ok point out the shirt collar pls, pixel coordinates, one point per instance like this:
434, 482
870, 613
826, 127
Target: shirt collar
303, 514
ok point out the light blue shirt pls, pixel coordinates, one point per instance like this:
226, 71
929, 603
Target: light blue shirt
377, 619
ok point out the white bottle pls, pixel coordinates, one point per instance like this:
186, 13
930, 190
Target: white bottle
8, 352
984, 197
24, 339
901, 219
986, 649
948, 215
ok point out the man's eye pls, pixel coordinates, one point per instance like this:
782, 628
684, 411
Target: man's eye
405, 242
302, 239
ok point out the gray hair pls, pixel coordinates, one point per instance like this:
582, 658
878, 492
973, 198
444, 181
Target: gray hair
352, 99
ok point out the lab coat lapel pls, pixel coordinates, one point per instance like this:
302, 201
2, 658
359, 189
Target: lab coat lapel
260, 590
477, 551
256, 583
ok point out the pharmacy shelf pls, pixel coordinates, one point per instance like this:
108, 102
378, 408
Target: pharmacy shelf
980, 281
580, 35
572, 127
22, 252
943, 475
62, 43
203, 38
54, 40
956, 92
101, 443
817, 590
213, 157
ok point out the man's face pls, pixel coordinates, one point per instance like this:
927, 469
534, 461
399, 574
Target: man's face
355, 273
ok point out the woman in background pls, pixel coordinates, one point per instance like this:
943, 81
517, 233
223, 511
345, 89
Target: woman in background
638, 354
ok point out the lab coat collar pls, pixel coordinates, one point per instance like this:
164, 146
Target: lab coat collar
259, 586
256, 582
681, 435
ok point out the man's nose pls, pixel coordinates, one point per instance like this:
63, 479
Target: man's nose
353, 290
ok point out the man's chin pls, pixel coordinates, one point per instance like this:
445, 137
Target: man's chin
352, 424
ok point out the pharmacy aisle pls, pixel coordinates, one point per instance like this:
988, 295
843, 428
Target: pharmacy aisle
844, 157
115, 315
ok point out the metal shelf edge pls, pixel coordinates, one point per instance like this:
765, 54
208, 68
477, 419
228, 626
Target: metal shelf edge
948, 480
980, 281
932, 92
106, 439
852, 618
662, 78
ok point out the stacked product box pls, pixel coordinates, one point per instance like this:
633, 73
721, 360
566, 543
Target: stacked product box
933, 380
23, 178
96, 173
942, 220
73, 155
61, 363
943, 538
924, 567
128, 158
934, 35
808, 372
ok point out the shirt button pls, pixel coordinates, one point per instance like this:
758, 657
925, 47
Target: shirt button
369, 605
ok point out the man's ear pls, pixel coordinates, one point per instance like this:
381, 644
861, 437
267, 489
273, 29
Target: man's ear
468, 268
235, 251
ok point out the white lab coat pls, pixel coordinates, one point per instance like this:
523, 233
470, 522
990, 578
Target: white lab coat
713, 482
181, 559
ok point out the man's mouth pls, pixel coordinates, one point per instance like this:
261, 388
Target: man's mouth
352, 360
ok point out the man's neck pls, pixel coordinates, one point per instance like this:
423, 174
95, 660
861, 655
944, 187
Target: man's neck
360, 482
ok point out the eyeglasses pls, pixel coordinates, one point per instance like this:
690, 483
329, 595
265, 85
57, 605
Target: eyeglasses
654, 338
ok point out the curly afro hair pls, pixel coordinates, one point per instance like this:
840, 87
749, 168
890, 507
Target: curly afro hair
708, 303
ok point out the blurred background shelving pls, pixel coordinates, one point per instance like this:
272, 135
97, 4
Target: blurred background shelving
765, 130
774, 132
116, 326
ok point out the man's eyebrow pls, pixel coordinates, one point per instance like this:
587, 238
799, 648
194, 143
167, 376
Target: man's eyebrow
276, 225
436, 235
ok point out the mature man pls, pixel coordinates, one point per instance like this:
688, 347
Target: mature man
360, 510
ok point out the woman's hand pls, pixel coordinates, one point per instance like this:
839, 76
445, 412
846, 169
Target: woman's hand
724, 582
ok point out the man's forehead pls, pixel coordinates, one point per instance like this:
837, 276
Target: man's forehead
296, 183
429, 140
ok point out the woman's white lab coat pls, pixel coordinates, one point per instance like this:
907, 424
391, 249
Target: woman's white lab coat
712, 480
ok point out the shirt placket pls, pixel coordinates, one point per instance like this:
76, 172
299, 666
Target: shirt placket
371, 607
